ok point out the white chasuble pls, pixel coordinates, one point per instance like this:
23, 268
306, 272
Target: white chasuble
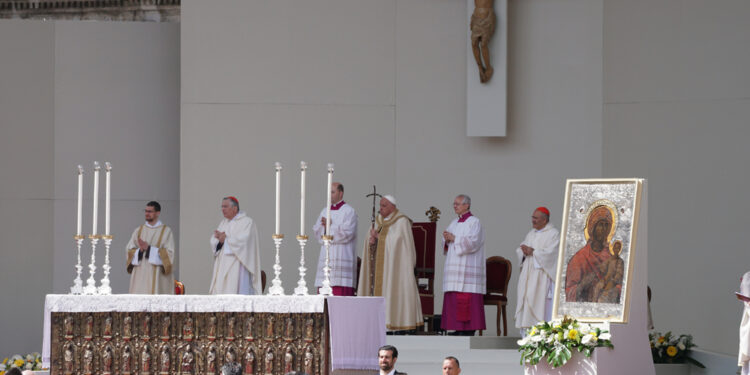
536, 280
152, 273
744, 356
465, 266
390, 273
342, 256
237, 261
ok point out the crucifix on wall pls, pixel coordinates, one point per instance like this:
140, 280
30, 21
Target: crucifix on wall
482, 27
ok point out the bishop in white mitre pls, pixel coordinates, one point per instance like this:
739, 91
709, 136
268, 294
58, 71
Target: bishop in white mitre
342, 255
536, 283
150, 255
234, 245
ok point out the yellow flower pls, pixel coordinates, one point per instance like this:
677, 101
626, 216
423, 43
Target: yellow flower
573, 334
2, 372
19, 362
661, 340
533, 331
671, 351
5, 360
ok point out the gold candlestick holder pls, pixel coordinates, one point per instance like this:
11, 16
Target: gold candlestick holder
326, 289
301, 289
276, 289
77, 287
90, 287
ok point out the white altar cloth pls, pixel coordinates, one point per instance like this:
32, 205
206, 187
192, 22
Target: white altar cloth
172, 303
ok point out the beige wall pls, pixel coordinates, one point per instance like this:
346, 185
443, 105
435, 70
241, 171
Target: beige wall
378, 87
676, 112
75, 92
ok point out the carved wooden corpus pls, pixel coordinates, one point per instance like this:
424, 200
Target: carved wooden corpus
188, 343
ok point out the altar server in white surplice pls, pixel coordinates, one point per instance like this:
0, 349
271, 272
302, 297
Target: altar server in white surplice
151, 255
234, 245
464, 273
744, 357
536, 282
342, 256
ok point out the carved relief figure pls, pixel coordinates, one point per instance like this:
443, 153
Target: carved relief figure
107, 360
211, 360
289, 329
88, 330
269, 327
288, 360
230, 328
269, 361
186, 365
482, 28
146, 326
309, 361
250, 361
211, 327
249, 322
165, 361
127, 326
88, 360
68, 326
125, 362
68, 359
309, 324
166, 321
146, 359
107, 330
187, 328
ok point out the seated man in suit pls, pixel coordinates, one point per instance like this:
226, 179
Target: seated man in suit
387, 356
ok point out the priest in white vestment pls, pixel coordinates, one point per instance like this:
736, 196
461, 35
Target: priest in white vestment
464, 272
388, 265
744, 356
150, 255
342, 256
234, 245
537, 256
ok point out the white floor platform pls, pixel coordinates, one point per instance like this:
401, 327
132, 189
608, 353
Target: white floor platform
423, 355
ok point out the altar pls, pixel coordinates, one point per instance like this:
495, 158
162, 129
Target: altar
198, 334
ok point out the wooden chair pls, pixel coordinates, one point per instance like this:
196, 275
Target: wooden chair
424, 243
262, 281
498, 275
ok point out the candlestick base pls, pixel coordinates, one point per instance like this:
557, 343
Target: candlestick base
104, 288
326, 289
77, 287
301, 289
90, 287
276, 289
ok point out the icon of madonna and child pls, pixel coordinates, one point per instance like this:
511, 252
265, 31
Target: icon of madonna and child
595, 272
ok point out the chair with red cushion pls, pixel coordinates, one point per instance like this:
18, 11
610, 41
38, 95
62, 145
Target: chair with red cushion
498, 276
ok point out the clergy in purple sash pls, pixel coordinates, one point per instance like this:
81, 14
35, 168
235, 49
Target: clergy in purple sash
342, 256
464, 280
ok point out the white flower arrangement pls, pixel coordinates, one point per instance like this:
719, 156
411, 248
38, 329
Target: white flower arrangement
31, 362
555, 341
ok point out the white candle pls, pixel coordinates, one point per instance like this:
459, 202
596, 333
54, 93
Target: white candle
328, 199
278, 197
108, 168
303, 168
96, 197
80, 199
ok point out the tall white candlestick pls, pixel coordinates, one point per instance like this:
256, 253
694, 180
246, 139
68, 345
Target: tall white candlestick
108, 168
278, 197
328, 199
303, 168
96, 197
80, 200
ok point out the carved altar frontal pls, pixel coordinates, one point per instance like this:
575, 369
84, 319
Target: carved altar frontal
150, 343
